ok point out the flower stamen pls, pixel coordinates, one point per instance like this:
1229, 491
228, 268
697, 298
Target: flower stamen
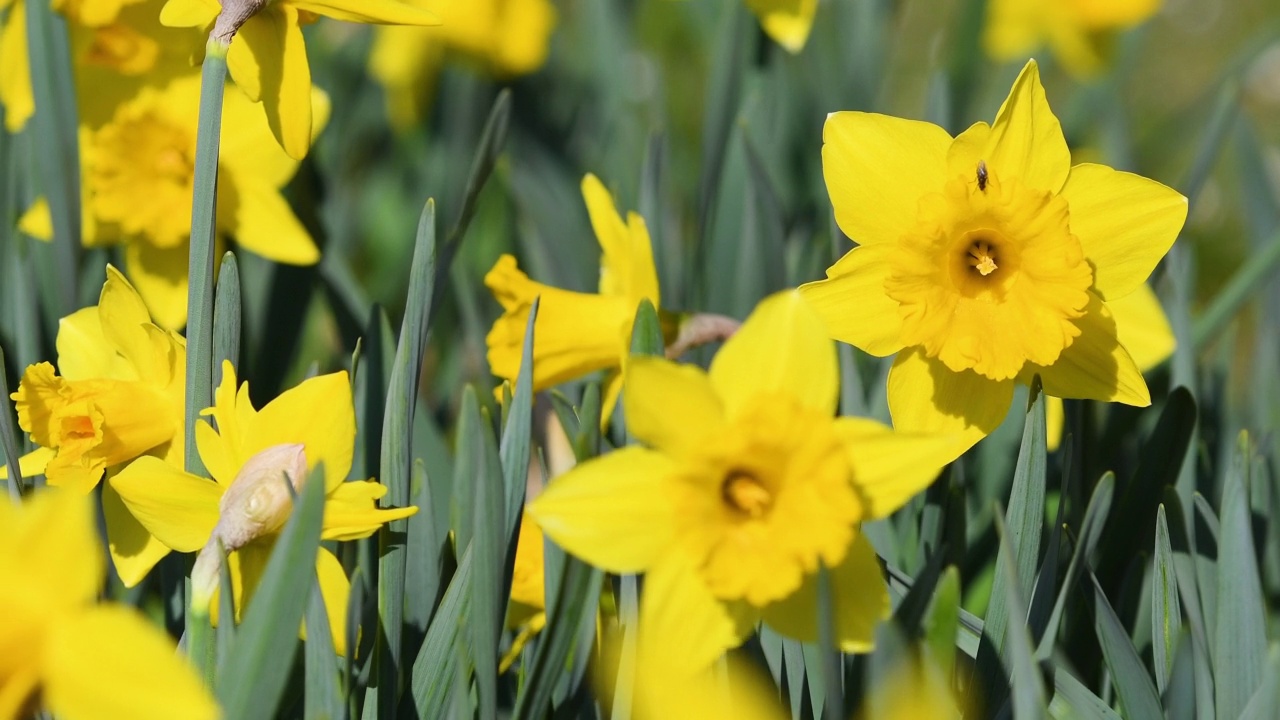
982, 257
745, 494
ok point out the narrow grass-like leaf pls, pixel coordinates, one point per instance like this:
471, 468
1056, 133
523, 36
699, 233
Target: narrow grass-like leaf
514, 448
721, 108
253, 677
827, 702
437, 664
423, 564
1073, 701
56, 133
1186, 574
226, 316
1265, 703
226, 631
646, 333
200, 287
8, 435
468, 464
1027, 685
322, 698
489, 543
1133, 685
942, 621
1240, 642
1166, 612
1243, 285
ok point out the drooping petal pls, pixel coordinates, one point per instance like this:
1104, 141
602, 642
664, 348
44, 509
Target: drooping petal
890, 467
626, 263
263, 222
335, 588
268, 61
248, 150
853, 303
860, 601
865, 161
670, 407
1142, 327
160, 276
788, 22
108, 661
351, 512
179, 509
614, 512
678, 610
389, 12
1125, 223
927, 397
782, 349
134, 550
1096, 366
1026, 141
319, 413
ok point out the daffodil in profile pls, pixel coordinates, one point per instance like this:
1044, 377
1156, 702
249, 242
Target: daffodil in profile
748, 485
787, 22
578, 333
1079, 32
986, 259
502, 38
62, 650
245, 504
266, 54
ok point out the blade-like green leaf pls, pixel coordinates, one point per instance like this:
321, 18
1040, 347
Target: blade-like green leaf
489, 542
469, 463
1095, 518
1133, 685
942, 621
253, 677
322, 698
1265, 703
9, 436
1166, 612
1027, 685
226, 317
435, 668
514, 448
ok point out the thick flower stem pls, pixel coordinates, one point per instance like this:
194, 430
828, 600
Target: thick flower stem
200, 267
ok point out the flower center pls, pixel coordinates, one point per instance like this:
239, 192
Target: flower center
745, 494
991, 277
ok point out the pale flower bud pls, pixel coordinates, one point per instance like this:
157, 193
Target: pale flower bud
257, 504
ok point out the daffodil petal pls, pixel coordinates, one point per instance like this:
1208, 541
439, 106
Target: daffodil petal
216, 454
335, 588
60, 558
246, 567
864, 162
788, 22
134, 550
110, 662
254, 45
16, 93
1055, 419
626, 263
860, 601
967, 150
181, 510
83, 352
160, 276
614, 511
388, 12
1142, 327
853, 303
350, 512
927, 397
31, 464
189, 13
124, 318
319, 413
289, 110
248, 149
782, 348
263, 223
890, 467
1125, 223
1096, 366
1026, 141
670, 407
679, 610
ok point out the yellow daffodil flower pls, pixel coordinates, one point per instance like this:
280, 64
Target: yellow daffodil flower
787, 22
120, 396
527, 611
267, 57
16, 95
62, 650
307, 425
748, 485
1142, 329
577, 333
1077, 31
504, 38
986, 259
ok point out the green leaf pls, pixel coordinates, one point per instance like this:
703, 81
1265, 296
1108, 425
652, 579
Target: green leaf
9, 435
253, 676
1073, 701
1166, 611
1133, 685
646, 332
942, 621
824, 670
226, 317
723, 100
423, 565
322, 696
1028, 688
437, 664
1095, 518
469, 462
489, 542
1265, 703
514, 448
1240, 642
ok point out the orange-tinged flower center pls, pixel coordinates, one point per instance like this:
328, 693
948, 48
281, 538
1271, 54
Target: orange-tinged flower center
991, 277
766, 501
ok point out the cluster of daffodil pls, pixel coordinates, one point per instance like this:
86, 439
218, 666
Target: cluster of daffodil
982, 261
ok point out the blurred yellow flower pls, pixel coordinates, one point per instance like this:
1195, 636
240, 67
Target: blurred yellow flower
505, 38
120, 396
1077, 31
750, 485
986, 259
16, 95
577, 333
267, 57
310, 424
527, 611
788, 22
59, 648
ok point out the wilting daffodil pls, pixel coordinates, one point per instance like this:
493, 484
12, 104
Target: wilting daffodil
267, 57
59, 648
748, 485
504, 38
788, 22
577, 333
1078, 32
246, 503
986, 259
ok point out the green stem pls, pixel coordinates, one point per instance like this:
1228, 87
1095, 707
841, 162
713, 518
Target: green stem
200, 269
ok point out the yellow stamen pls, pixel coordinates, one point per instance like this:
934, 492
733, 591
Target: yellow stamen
744, 493
981, 258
